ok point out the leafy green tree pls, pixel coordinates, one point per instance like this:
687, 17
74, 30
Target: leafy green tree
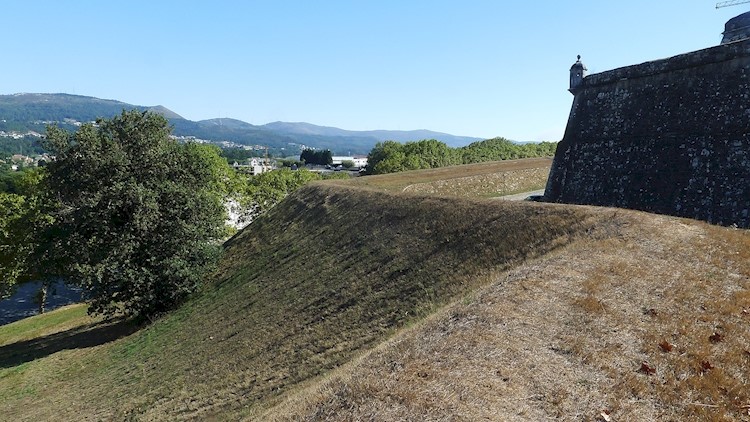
497, 149
141, 216
13, 251
430, 153
262, 192
25, 219
320, 157
13, 181
390, 156
386, 157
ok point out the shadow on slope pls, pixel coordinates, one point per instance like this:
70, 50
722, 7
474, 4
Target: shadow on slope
327, 274
75, 338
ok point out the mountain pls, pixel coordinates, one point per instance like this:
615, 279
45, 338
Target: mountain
33, 108
302, 128
33, 112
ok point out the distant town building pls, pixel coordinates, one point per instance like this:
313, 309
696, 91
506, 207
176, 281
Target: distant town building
253, 166
358, 160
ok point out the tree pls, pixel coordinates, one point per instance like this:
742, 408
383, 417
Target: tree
25, 219
311, 156
264, 191
390, 156
13, 252
385, 157
347, 164
140, 216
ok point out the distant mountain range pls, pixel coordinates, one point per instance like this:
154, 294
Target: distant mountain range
32, 112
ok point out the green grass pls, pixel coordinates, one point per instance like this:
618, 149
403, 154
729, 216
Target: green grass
39, 325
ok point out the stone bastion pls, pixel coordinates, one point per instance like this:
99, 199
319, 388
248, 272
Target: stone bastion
669, 136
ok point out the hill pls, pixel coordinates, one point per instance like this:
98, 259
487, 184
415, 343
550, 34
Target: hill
364, 303
34, 109
32, 112
371, 135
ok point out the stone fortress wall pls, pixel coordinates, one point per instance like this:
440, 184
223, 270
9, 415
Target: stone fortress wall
669, 136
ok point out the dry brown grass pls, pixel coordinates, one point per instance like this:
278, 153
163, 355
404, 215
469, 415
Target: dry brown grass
472, 180
645, 320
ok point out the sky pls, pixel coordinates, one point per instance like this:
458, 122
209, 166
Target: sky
465, 67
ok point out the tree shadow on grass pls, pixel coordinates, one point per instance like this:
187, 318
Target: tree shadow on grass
76, 338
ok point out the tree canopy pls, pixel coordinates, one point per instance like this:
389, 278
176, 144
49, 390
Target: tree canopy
391, 156
263, 191
320, 157
25, 217
129, 214
139, 215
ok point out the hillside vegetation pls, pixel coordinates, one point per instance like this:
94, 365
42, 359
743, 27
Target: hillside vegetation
349, 302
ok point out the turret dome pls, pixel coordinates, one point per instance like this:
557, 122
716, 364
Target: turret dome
578, 65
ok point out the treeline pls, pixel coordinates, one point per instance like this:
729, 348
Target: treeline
320, 157
262, 192
391, 156
28, 145
240, 154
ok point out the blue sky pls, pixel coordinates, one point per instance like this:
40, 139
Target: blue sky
469, 67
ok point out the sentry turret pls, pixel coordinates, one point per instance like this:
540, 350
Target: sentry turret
577, 73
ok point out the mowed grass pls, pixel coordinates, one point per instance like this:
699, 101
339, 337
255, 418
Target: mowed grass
40, 325
34, 351
328, 274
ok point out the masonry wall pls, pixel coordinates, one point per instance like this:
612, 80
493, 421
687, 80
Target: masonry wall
669, 136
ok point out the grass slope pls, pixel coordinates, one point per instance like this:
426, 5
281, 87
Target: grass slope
328, 274
648, 322
473, 180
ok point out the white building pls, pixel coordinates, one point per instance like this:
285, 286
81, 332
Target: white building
359, 161
254, 166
